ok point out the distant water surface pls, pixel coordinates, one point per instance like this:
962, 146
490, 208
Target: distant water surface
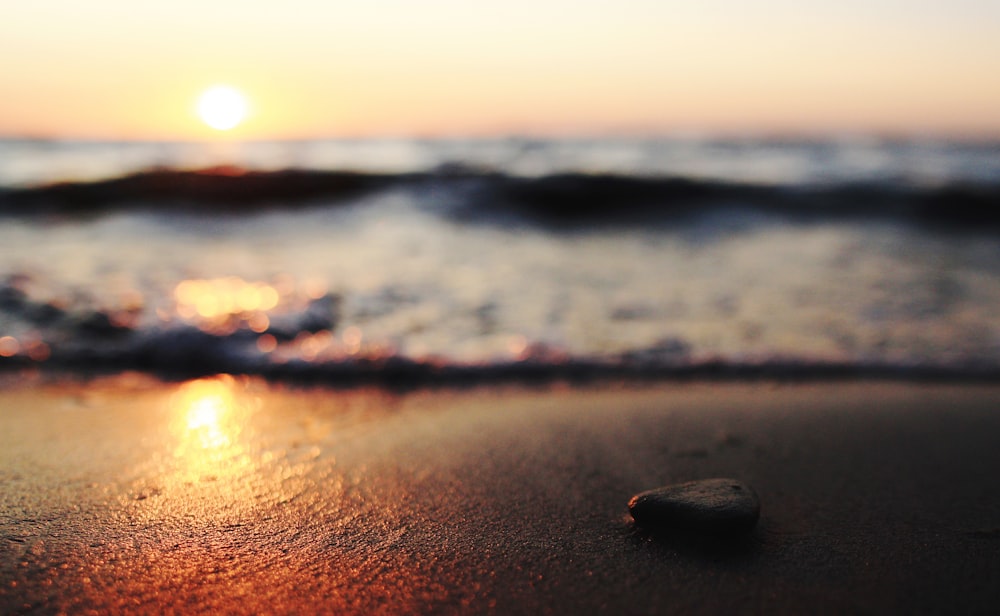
485, 259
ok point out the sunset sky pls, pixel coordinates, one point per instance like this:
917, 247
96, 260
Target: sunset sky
134, 70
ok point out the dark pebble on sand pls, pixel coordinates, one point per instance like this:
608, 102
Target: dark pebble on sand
721, 506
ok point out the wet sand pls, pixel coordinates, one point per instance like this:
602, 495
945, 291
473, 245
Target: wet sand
233, 496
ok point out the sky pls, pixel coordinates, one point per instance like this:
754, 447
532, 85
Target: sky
131, 69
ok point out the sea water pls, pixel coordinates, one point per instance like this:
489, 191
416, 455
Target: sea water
422, 260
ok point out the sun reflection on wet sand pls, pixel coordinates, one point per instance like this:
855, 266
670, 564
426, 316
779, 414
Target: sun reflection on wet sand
210, 421
208, 406
222, 494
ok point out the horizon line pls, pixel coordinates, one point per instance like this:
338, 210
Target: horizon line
673, 135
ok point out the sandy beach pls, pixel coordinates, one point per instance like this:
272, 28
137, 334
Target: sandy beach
236, 496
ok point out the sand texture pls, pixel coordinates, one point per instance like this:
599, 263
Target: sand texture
229, 496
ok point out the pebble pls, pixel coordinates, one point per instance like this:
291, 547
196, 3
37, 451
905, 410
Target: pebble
720, 506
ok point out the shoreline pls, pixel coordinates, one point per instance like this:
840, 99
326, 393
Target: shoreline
403, 375
234, 495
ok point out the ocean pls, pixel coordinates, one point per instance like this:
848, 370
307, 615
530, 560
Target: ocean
422, 262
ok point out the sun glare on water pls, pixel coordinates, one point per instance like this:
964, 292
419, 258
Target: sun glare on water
222, 107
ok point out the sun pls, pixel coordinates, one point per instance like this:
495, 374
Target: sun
222, 107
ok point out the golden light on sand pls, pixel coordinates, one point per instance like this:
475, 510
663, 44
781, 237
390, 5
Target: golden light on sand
222, 107
207, 407
205, 412
210, 421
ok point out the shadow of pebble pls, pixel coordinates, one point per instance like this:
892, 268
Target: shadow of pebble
985, 533
734, 549
696, 452
730, 440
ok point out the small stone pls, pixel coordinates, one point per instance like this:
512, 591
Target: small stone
721, 506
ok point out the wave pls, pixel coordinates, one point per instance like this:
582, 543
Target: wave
204, 189
562, 199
